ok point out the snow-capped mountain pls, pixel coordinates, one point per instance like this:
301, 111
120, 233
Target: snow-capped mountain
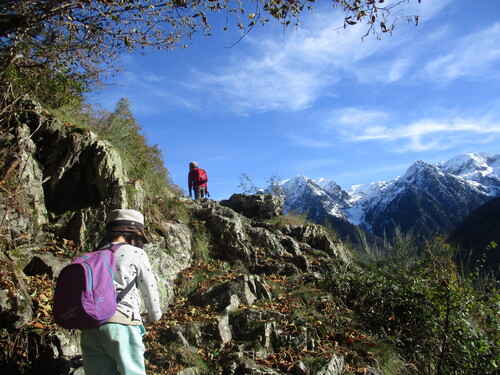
321, 198
427, 199
324, 202
481, 168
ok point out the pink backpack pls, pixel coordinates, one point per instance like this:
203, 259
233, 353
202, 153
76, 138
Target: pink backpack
85, 295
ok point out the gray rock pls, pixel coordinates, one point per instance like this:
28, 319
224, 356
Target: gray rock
373, 371
225, 332
16, 308
190, 371
265, 241
257, 206
248, 366
334, 367
45, 264
248, 288
317, 237
299, 368
178, 335
169, 257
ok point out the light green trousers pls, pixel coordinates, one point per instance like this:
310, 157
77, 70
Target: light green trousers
113, 347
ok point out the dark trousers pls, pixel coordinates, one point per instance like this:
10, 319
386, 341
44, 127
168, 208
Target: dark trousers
199, 192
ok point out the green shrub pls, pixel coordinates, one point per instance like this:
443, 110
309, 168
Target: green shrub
402, 250
142, 161
435, 319
200, 242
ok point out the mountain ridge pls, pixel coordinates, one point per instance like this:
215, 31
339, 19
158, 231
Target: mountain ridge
427, 198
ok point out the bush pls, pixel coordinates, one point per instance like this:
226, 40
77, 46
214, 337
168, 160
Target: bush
142, 161
436, 320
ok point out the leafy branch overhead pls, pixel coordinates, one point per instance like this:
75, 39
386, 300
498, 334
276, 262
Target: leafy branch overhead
78, 41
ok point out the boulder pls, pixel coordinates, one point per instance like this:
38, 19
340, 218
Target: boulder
45, 264
257, 206
267, 242
245, 365
299, 368
55, 352
229, 232
316, 236
248, 288
334, 367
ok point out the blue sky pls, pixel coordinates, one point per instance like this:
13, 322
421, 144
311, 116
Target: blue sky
319, 101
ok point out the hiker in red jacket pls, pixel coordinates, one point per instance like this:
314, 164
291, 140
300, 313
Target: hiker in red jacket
197, 181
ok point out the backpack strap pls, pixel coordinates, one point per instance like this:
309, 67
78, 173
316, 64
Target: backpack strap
130, 285
125, 290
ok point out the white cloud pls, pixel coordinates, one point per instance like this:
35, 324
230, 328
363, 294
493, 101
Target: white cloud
290, 73
397, 132
347, 123
476, 56
428, 127
430, 134
357, 116
293, 72
262, 86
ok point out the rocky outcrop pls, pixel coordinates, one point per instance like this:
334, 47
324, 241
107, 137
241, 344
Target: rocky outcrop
257, 206
70, 179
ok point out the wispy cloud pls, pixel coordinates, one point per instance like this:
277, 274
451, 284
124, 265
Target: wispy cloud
475, 56
309, 142
431, 134
288, 74
355, 117
429, 127
294, 72
396, 132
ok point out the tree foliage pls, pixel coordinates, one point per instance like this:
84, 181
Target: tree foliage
71, 44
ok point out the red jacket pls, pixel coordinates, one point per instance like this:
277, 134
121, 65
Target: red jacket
191, 180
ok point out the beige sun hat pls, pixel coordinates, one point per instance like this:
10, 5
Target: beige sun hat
126, 221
